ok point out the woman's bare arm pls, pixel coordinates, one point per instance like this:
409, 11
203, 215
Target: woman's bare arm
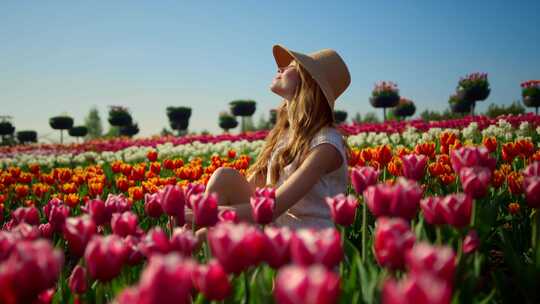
257, 180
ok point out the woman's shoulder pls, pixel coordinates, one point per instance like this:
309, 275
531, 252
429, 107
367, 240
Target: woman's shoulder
328, 134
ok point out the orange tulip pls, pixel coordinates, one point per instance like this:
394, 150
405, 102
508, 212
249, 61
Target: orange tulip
490, 143
513, 208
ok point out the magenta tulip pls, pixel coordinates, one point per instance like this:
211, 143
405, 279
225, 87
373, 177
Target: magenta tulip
105, 257
277, 249
456, 209
77, 280
439, 261
532, 170
414, 166
393, 238
28, 215
25, 232
323, 246
173, 201
205, 209
431, 210
471, 242
7, 243
342, 208
46, 230
124, 224
77, 232
227, 215
236, 246
152, 205
117, 203
306, 285
155, 242
97, 210
262, 209
398, 200
192, 189
212, 281
265, 192
183, 241
472, 157
363, 177
475, 181
531, 187
417, 289
133, 248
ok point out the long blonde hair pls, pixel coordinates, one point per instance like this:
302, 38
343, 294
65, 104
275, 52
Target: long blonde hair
307, 113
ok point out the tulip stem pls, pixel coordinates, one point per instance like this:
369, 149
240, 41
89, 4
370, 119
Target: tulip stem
438, 232
473, 213
364, 228
246, 287
534, 231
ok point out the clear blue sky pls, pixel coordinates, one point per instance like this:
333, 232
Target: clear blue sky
63, 56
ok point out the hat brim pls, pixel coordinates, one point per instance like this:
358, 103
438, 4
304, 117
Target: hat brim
284, 56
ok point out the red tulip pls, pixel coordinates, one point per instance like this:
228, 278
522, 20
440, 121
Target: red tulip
363, 177
152, 205
439, 261
393, 238
32, 267
472, 157
77, 232
229, 215
28, 215
166, 280
77, 280
236, 246
98, 212
205, 209
124, 224
399, 200
211, 280
532, 191
317, 246
262, 209
471, 242
105, 257
342, 208
277, 250
431, 210
183, 241
475, 181
306, 285
417, 289
414, 166
173, 201
155, 241
456, 209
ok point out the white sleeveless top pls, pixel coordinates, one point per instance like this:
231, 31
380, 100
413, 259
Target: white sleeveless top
311, 211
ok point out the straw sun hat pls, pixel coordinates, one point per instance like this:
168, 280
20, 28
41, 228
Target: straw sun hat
325, 66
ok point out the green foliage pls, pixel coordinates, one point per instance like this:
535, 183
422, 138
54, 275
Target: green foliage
370, 117
496, 110
93, 124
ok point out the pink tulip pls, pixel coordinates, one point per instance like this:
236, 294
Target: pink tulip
277, 249
439, 261
7, 243
456, 209
431, 210
117, 203
166, 280
192, 189
105, 257
205, 209
265, 192
46, 230
475, 181
472, 157
323, 246
236, 246
77, 280
306, 285
28, 215
414, 166
363, 177
57, 217
124, 224
229, 215
393, 238
398, 200
342, 208
54, 202
262, 209
183, 241
26, 232
212, 281
32, 268
152, 205
133, 248
77, 232
471, 242
155, 242
417, 289
98, 212
173, 201
531, 186
532, 170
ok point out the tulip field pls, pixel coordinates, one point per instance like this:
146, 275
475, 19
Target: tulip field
436, 212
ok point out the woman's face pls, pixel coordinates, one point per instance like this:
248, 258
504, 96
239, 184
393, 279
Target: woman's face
285, 82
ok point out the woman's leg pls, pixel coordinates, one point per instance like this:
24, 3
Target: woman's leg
231, 187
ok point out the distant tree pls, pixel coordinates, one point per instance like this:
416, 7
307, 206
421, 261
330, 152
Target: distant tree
93, 124
340, 116
78, 131
62, 122
179, 118
496, 110
227, 121
370, 117
244, 109
263, 124
166, 132
112, 132
357, 118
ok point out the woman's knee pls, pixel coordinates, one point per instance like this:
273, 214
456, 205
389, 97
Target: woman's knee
220, 179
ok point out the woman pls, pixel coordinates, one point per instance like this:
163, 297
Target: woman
305, 156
